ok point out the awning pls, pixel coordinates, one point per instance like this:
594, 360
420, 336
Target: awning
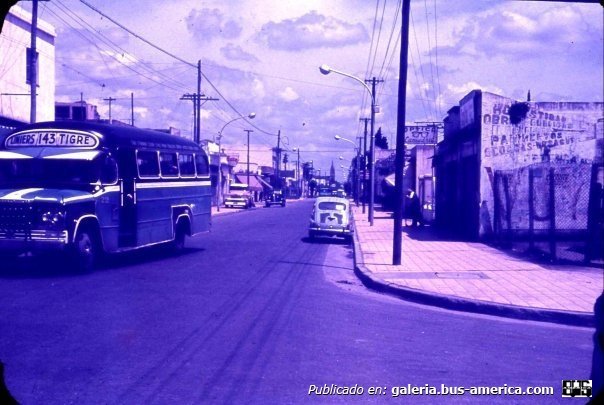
256, 183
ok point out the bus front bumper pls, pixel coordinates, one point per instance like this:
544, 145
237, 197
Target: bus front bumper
36, 240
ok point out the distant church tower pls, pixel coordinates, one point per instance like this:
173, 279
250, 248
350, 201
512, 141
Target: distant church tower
332, 174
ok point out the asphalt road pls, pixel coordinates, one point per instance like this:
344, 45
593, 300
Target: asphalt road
253, 312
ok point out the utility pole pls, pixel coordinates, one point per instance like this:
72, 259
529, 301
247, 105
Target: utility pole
192, 97
299, 177
197, 136
366, 120
33, 63
278, 167
197, 99
397, 242
373, 82
358, 179
248, 156
132, 109
109, 99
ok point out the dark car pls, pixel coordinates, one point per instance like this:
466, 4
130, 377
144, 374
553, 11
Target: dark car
275, 198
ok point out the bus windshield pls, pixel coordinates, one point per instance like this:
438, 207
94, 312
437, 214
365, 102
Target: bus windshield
38, 172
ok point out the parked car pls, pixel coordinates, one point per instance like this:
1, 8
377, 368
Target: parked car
236, 200
331, 216
339, 193
277, 197
324, 192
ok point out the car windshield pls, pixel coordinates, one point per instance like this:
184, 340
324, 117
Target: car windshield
332, 205
232, 195
37, 172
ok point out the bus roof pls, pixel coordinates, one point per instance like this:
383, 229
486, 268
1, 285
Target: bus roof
112, 135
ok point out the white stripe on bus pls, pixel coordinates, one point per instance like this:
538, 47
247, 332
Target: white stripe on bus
18, 195
172, 184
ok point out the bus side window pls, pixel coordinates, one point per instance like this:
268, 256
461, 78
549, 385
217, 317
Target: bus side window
109, 171
147, 163
168, 164
201, 162
186, 163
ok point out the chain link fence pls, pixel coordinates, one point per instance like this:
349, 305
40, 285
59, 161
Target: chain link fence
551, 210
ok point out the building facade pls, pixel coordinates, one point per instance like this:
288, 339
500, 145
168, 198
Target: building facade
491, 144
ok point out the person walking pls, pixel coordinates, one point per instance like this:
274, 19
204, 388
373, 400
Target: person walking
413, 208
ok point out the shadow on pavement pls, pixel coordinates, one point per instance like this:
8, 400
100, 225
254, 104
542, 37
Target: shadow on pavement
327, 240
49, 266
144, 255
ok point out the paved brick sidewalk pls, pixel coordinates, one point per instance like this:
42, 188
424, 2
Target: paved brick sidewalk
473, 276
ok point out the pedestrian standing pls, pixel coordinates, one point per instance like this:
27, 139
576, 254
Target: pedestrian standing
413, 209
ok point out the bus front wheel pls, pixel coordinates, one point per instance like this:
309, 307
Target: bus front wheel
84, 251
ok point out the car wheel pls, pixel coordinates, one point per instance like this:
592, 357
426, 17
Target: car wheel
84, 252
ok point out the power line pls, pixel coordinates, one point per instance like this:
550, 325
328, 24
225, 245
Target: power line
177, 58
377, 43
113, 46
115, 59
430, 55
421, 67
440, 113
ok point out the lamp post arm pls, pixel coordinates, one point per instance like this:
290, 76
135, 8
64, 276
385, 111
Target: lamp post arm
349, 141
225, 125
358, 80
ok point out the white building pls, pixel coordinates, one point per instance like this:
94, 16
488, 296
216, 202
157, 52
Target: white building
15, 39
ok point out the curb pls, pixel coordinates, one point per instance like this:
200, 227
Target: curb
570, 318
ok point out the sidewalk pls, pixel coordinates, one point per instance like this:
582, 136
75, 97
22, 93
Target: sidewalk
472, 277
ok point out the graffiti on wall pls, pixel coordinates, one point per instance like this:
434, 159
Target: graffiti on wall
557, 134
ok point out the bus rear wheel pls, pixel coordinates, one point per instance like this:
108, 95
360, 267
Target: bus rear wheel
178, 244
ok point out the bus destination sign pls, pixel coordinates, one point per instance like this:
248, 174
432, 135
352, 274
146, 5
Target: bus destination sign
62, 139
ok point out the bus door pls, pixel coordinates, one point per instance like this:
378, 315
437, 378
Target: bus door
128, 214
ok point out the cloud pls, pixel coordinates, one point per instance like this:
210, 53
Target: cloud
258, 89
350, 112
289, 94
209, 23
312, 30
524, 33
236, 52
462, 90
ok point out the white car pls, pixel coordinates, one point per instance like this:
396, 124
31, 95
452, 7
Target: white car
235, 200
331, 217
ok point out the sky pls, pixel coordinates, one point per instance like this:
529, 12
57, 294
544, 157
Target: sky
263, 56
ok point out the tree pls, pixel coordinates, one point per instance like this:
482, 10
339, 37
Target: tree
380, 140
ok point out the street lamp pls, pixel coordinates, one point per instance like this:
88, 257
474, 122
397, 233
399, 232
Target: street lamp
357, 182
327, 70
251, 116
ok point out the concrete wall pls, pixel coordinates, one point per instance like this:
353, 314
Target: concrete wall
563, 133
14, 42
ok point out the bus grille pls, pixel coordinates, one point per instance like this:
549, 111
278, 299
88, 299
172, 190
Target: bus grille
15, 217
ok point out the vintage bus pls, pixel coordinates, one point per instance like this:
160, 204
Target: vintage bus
90, 188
